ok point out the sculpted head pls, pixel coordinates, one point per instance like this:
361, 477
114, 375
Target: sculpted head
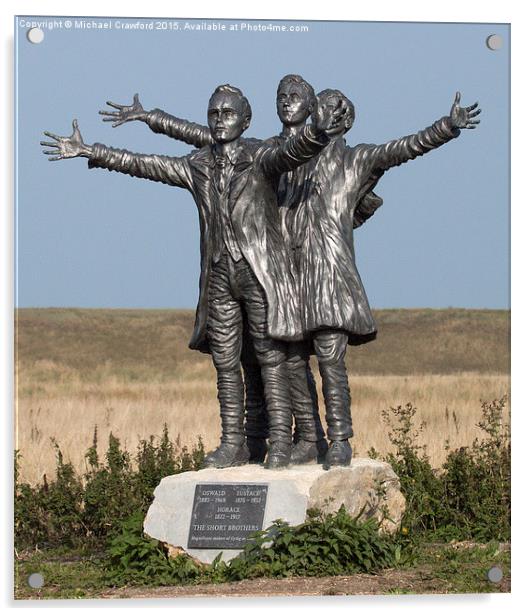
334, 99
228, 114
295, 100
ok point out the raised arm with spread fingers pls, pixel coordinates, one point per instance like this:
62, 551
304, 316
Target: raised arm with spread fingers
169, 170
159, 122
66, 147
379, 158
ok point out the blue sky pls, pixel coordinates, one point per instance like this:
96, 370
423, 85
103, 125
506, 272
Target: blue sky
95, 239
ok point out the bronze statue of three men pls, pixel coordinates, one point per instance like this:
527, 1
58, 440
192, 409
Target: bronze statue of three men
278, 277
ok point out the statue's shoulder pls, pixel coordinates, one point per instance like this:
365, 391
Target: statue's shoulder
252, 144
258, 146
274, 140
360, 150
362, 147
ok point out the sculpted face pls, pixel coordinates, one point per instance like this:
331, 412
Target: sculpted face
294, 105
226, 117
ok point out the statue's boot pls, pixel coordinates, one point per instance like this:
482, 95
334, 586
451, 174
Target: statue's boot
305, 452
226, 455
279, 455
233, 450
339, 454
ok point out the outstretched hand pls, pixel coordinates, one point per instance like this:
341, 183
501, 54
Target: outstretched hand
328, 118
66, 147
124, 113
462, 117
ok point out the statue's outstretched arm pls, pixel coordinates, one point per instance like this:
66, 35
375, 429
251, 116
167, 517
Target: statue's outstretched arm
393, 153
169, 170
159, 122
165, 169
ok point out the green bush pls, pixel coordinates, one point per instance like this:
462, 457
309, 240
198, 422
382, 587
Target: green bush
331, 544
325, 544
50, 513
419, 482
133, 558
476, 480
73, 510
109, 493
469, 498
155, 461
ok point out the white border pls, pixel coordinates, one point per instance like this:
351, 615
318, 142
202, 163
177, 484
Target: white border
510, 11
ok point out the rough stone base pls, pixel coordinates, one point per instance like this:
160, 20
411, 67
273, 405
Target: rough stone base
369, 483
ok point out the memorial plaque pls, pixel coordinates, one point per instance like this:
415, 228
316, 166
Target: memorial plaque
225, 514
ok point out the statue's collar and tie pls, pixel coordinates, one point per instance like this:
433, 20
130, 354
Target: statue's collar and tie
226, 154
225, 158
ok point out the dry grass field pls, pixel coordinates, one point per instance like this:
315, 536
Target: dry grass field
130, 371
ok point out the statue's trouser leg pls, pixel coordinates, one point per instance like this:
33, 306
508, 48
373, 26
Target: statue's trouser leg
256, 417
224, 330
303, 394
271, 355
330, 347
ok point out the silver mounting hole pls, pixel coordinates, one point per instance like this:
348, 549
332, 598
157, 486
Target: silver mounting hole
495, 575
36, 580
35, 35
494, 42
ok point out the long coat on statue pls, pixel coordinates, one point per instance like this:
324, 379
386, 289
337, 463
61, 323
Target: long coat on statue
254, 214
323, 201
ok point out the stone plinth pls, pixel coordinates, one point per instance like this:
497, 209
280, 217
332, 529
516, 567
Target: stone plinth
291, 491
